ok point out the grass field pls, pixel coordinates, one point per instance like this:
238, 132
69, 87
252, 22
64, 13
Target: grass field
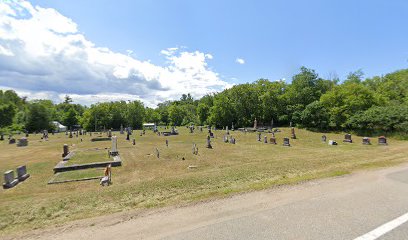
143, 181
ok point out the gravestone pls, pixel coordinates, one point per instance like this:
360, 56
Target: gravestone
109, 133
191, 129
65, 150
127, 136
70, 134
22, 142
173, 131
332, 142
114, 148
292, 131
286, 142
201, 129
2, 137
26, 134
22, 173
66, 133
194, 148
134, 141
232, 127
209, 142
324, 138
211, 135
157, 153
226, 130
265, 139
167, 143
255, 124
259, 137
290, 124
382, 140
12, 141
121, 129
225, 138
347, 138
272, 140
272, 123
366, 141
9, 180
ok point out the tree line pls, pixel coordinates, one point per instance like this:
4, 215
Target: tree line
377, 105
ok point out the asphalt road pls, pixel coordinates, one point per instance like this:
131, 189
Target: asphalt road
339, 208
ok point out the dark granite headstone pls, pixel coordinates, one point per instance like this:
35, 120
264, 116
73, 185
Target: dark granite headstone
22, 142
324, 138
12, 141
382, 140
265, 139
65, 150
9, 180
286, 142
347, 138
22, 173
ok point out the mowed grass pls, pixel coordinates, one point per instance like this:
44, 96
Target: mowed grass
144, 181
89, 156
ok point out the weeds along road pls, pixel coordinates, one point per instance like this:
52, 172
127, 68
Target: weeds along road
339, 208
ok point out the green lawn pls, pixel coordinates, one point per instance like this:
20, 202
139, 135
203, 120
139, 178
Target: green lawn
88, 156
144, 181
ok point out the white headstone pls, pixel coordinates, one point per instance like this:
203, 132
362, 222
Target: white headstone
114, 148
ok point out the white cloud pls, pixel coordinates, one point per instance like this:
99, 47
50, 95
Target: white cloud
240, 61
43, 54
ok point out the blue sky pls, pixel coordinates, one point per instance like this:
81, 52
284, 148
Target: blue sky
274, 38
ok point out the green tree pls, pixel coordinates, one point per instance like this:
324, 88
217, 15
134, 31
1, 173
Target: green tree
315, 116
38, 117
7, 113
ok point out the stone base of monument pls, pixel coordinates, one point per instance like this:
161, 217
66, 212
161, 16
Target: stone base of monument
293, 136
115, 153
11, 184
68, 156
348, 141
61, 168
100, 139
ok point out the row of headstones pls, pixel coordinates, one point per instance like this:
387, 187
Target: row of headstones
229, 139
10, 181
366, 141
22, 142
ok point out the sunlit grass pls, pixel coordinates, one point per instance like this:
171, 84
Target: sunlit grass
145, 181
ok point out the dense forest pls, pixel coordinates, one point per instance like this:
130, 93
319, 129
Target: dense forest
377, 105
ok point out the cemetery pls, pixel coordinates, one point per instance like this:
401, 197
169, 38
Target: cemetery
60, 180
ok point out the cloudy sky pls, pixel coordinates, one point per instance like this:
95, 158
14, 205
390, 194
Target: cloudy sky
157, 50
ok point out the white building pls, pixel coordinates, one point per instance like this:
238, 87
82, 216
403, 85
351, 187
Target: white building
58, 126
